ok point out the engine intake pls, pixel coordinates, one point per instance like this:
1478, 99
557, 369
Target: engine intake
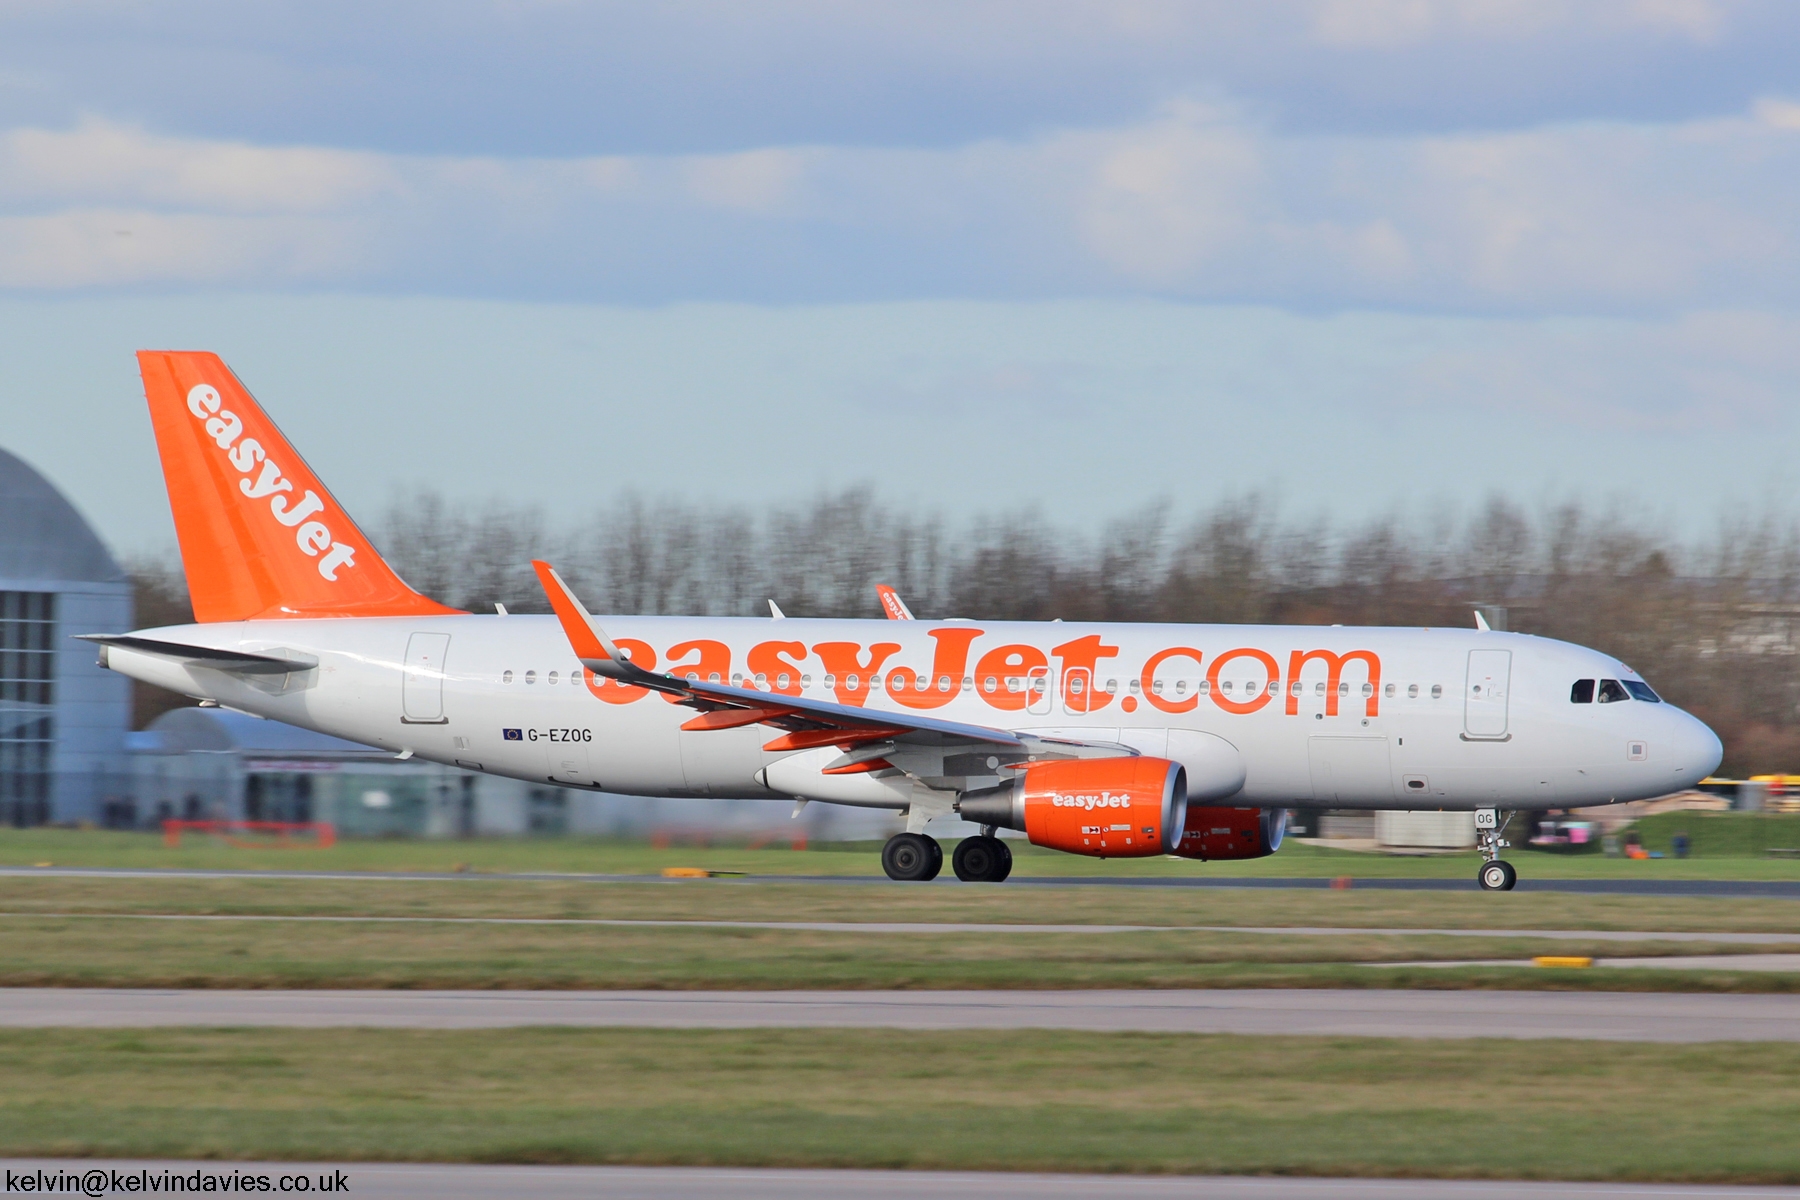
1105, 807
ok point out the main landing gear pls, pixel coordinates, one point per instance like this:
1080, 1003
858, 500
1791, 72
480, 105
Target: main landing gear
1496, 874
912, 857
984, 859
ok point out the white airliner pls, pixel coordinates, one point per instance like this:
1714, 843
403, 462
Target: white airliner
1111, 740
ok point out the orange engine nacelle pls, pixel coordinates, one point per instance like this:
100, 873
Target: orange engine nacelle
1215, 833
1107, 807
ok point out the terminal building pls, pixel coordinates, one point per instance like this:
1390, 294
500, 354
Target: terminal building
63, 717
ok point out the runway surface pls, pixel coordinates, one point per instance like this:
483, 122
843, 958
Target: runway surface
939, 927
1774, 888
454, 1181
1611, 1016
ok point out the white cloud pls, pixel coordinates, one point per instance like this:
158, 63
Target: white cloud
101, 162
1195, 201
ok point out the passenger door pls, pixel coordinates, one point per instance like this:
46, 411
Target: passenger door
1485, 694
422, 690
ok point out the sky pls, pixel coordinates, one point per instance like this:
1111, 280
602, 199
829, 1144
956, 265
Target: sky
1368, 257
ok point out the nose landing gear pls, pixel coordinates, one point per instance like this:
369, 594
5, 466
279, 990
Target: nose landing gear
912, 857
1496, 874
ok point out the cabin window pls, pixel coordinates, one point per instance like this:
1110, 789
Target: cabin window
853, 681
874, 683
1437, 691
968, 684
762, 680
1389, 690
1319, 689
1412, 691
713, 678
1112, 686
1204, 688
693, 677
737, 679
1611, 692
830, 681
1582, 692
781, 680
1156, 686
1014, 684
506, 677
989, 684
550, 678
1135, 685
1369, 689
944, 683
1641, 691
806, 681
1343, 689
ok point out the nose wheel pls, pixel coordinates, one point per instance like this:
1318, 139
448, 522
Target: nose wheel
1496, 874
912, 857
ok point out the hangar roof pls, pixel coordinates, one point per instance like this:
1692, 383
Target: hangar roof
42, 537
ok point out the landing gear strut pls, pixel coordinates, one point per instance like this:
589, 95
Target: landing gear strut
912, 857
1496, 874
984, 859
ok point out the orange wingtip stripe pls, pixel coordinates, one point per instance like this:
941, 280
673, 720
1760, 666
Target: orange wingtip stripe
581, 635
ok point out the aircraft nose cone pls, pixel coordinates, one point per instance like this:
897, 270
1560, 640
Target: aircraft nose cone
1699, 750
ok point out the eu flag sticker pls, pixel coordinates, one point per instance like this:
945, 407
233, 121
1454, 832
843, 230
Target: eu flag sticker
513, 735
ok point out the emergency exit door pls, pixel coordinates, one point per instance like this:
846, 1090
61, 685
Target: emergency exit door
1485, 693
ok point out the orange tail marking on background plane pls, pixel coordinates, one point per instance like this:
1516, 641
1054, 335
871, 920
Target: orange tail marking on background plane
260, 535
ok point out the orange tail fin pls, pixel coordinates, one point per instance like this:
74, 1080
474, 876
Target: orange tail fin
260, 536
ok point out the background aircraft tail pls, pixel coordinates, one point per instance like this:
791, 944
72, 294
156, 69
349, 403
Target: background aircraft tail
260, 536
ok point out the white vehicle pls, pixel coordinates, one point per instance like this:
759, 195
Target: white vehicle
1109, 740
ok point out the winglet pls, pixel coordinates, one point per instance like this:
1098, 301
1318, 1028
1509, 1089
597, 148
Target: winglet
1481, 622
892, 604
590, 643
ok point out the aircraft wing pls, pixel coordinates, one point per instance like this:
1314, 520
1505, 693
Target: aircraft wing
807, 723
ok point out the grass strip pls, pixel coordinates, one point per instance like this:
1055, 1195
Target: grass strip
1026, 1100
1739, 856
722, 899
46, 951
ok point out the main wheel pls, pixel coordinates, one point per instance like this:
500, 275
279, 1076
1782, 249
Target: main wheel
912, 857
1497, 876
981, 860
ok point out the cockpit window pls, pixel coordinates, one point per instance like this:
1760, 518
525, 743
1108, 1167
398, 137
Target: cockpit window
1641, 691
1582, 692
1611, 691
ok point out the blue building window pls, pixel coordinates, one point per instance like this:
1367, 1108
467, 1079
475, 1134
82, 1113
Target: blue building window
27, 687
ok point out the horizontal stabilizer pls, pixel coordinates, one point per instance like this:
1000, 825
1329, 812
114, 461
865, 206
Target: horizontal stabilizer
238, 662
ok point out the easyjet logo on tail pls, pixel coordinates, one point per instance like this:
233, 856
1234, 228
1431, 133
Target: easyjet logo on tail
263, 480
